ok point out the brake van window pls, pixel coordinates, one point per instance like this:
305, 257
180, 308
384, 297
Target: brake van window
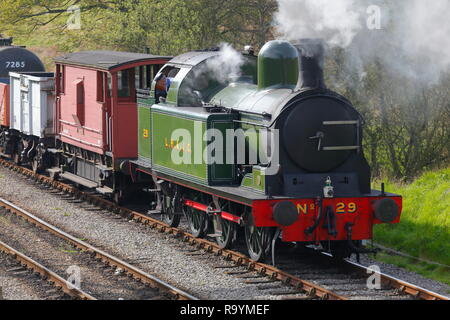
124, 84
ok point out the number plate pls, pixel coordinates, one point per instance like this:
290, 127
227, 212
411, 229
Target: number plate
15, 64
343, 207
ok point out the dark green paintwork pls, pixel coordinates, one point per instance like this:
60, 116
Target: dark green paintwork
245, 97
278, 65
222, 173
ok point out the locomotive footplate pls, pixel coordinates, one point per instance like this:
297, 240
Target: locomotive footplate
235, 194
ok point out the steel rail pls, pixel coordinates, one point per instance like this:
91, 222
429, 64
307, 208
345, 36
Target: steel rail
97, 253
403, 286
46, 273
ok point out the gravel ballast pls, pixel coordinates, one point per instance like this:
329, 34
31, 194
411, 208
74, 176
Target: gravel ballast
15, 287
95, 278
153, 252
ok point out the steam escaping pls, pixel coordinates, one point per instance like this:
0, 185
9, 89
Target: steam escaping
426, 34
223, 67
412, 40
227, 65
335, 21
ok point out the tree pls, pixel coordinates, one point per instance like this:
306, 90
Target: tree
249, 22
41, 12
406, 121
166, 26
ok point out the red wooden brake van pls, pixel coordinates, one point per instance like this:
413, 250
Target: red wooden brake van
96, 112
4, 105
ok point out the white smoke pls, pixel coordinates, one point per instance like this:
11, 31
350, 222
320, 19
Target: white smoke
223, 68
227, 65
425, 33
336, 21
413, 40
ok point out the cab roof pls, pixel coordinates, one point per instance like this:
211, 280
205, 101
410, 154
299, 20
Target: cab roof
107, 60
193, 58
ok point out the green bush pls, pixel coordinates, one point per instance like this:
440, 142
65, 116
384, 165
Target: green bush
423, 231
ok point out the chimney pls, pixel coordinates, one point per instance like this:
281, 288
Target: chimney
311, 59
5, 42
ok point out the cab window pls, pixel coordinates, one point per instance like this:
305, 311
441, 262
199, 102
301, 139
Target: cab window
123, 82
145, 75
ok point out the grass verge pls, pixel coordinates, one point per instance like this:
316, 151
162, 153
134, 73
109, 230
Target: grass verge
424, 230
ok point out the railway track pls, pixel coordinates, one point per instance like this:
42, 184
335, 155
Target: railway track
123, 267
28, 263
400, 286
311, 287
351, 279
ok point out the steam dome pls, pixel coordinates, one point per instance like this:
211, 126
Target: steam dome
278, 65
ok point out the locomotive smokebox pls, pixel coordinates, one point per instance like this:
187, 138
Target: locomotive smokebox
311, 59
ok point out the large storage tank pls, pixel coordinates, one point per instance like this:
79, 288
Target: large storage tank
17, 59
